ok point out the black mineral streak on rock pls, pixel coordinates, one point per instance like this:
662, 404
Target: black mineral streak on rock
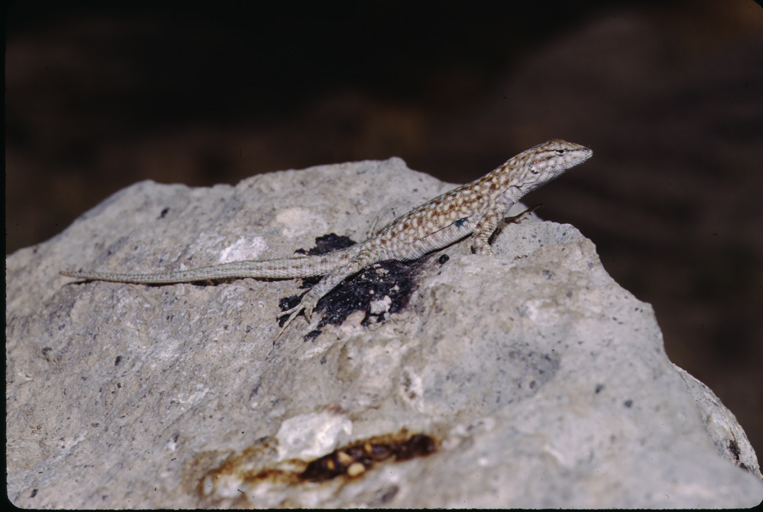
391, 278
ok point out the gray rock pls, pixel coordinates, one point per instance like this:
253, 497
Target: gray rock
724, 429
536, 379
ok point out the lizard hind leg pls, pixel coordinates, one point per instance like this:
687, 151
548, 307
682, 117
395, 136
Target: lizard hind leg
329, 282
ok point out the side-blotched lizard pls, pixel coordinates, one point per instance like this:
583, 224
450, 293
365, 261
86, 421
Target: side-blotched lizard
475, 208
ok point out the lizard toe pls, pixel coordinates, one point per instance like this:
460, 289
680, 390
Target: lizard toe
309, 307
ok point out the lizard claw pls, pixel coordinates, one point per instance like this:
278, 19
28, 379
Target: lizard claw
292, 315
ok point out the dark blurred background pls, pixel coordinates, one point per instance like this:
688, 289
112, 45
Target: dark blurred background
669, 94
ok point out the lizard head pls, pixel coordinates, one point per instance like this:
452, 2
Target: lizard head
544, 162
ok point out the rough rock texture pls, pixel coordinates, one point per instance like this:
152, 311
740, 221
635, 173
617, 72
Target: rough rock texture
727, 434
534, 379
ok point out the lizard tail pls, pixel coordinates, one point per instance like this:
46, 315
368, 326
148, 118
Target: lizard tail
283, 268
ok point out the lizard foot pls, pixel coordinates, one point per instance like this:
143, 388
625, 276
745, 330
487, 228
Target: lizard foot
308, 306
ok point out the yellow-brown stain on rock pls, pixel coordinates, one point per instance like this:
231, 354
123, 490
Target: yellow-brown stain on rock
239, 478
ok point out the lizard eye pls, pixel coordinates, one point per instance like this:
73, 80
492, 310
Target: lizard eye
560, 151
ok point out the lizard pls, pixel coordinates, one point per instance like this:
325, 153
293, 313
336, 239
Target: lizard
475, 209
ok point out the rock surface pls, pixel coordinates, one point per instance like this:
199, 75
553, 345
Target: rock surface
526, 380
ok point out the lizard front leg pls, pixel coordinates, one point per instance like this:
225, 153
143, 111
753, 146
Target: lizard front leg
484, 228
490, 225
